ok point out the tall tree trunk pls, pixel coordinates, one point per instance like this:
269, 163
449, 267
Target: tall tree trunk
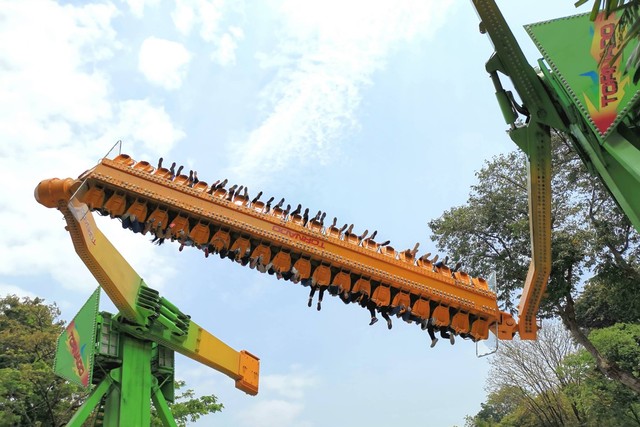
609, 369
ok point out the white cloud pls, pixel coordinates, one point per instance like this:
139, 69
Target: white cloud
47, 85
291, 385
137, 6
163, 62
141, 123
272, 413
205, 17
205, 14
286, 399
6, 289
226, 52
327, 55
57, 118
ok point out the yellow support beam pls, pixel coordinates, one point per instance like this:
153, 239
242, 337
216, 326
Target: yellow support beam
122, 284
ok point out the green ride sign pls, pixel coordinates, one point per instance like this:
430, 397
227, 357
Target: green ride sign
76, 344
573, 48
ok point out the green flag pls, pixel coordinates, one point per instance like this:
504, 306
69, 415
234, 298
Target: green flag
76, 344
573, 48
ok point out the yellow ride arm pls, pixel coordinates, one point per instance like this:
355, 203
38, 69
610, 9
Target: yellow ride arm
148, 313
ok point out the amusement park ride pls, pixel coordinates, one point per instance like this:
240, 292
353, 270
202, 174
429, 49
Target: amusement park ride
129, 356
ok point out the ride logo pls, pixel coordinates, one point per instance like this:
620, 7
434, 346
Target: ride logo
298, 236
603, 101
76, 349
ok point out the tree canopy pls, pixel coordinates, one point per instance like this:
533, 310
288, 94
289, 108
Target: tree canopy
552, 382
31, 394
592, 242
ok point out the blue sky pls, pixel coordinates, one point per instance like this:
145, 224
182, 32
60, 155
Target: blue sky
376, 112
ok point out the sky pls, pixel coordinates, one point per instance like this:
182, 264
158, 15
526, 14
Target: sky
377, 112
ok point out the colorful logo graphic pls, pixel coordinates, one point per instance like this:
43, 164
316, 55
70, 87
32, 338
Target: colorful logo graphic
608, 84
78, 353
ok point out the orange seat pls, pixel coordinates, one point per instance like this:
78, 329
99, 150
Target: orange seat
462, 277
242, 245
181, 179
388, 251
220, 193
278, 213
321, 275
401, 299
303, 267
315, 226
158, 220
200, 186
143, 166
240, 200
125, 159
258, 206
424, 263
116, 205
444, 270
179, 227
162, 173
333, 232
297, 219
381, 296
351, 238
480, 283
362, 286
200, 234
460, 322
370, 244
94, 198
421, 309
407, 256
220, 241
263, 251
138, 211
480, 329
342, 281
282, 262
441, 316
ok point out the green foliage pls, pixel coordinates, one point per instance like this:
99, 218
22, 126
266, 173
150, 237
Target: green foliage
30, 393
491, 231
499, 404
620, 344
609, 297
475, 233
551, 382
590, 235
606, 402
188, 408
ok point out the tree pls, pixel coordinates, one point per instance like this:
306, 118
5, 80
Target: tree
589, 235
30, 393
606, 402
552, 382
502, 403
186, 407
530, 370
